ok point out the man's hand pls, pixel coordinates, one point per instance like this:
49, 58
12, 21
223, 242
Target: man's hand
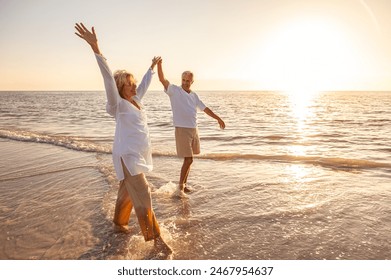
155, 61
221, 123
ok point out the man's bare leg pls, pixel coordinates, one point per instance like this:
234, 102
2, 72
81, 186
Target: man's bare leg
185, 173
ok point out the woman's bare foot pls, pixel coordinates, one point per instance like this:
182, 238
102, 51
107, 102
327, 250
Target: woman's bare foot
121, 228
161, 247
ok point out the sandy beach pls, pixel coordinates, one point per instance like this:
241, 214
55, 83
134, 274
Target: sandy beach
45, 212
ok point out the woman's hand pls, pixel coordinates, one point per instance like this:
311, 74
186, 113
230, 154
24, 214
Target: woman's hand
155, 61
88, 36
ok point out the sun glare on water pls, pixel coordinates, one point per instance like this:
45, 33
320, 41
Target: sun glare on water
300, 104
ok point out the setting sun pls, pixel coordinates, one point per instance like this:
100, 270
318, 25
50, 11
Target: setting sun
310, 55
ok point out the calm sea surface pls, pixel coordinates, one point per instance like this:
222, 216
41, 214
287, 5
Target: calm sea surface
303, 176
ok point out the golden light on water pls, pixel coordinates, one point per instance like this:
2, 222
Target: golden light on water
300, 102
298, 172
297, 150
301, 105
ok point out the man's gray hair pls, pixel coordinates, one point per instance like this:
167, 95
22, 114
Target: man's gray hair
188, 73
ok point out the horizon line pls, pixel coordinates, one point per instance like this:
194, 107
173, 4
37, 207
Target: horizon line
200, 90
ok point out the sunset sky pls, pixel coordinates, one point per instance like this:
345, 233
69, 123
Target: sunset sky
228, 44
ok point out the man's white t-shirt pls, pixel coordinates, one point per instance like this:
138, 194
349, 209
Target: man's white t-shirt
184, 106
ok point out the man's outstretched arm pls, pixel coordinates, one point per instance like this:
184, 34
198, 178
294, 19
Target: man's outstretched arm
216, 117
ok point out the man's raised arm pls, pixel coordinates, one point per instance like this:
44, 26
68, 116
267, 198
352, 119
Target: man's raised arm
162, 79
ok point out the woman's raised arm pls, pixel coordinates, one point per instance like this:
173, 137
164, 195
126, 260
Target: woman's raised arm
108, 79
146, 81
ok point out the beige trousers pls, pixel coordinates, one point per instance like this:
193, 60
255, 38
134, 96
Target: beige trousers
134, 192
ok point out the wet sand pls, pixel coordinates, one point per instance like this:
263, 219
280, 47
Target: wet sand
45, 212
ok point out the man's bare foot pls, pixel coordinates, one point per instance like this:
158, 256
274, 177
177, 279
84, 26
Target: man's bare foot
184, 188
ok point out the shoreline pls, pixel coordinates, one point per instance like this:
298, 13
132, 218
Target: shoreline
50, 199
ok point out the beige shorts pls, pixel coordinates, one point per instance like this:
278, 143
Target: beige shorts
187, 141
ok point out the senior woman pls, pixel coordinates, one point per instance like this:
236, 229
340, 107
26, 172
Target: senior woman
131, 148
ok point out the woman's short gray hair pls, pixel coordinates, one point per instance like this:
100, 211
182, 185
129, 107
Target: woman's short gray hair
121, 78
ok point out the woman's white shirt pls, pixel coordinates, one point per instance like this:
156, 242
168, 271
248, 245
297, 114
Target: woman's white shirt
131, 140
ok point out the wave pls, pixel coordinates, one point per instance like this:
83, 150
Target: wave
335, 163
276, 137
226, 138
85, 145
247, 137
69, 142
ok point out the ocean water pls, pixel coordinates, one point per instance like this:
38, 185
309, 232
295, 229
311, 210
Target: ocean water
305, 176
